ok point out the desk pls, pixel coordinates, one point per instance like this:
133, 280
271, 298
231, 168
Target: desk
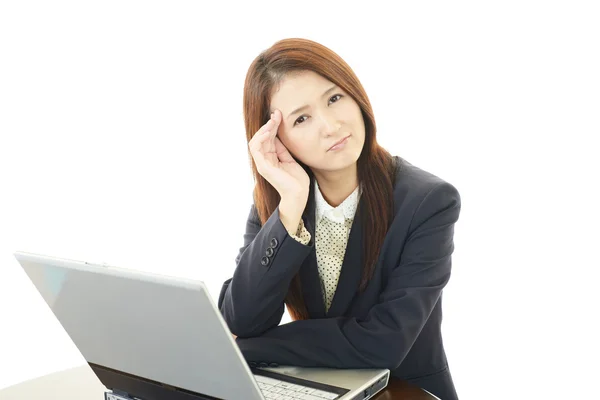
80, 383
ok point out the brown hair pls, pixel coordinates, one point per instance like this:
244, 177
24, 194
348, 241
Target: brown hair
375, 165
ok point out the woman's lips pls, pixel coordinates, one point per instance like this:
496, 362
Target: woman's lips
340, 144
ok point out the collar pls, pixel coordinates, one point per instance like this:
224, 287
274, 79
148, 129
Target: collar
344, 211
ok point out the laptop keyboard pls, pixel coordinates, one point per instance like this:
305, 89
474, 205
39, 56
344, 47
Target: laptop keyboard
281, 390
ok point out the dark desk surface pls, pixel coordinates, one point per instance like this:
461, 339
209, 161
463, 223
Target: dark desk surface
397, 389
81, 383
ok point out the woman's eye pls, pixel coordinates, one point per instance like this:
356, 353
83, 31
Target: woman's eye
299, 120
336, 96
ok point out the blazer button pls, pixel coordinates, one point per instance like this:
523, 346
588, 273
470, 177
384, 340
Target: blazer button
264, 261
263, 365
270, 252
273, 365
252, 364
274, 242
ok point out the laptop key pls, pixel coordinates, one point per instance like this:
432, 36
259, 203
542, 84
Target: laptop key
276, 389
287, 392
266, 380
324, 395
297, 388
310, 397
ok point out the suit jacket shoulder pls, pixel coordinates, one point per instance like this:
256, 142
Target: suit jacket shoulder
413, 185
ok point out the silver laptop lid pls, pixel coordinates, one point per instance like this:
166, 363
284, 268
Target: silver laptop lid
162, 328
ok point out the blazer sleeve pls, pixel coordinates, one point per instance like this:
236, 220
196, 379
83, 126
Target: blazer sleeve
383, 338
252, 301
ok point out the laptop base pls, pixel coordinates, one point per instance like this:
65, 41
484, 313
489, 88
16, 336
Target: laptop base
125, 386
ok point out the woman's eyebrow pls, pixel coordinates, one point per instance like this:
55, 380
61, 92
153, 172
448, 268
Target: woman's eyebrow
297, 110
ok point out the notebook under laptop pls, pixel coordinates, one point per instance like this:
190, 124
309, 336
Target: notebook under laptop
150, 336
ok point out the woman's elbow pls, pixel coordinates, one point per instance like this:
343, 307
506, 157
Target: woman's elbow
245, 325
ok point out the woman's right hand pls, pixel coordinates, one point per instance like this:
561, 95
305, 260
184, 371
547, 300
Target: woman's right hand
275, 163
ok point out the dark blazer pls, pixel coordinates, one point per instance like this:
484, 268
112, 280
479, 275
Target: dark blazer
395, 323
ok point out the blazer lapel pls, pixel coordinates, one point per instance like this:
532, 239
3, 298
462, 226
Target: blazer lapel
350, 274
352, 267
309, 272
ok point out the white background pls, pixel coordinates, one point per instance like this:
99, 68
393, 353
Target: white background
122, 142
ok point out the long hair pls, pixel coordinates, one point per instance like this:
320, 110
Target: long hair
375, 165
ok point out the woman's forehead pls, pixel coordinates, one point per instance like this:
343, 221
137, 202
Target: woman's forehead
294, 91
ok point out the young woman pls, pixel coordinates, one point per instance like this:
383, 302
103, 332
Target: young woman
355, 242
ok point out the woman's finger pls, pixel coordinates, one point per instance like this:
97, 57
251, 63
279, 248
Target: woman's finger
282, 152
259, 139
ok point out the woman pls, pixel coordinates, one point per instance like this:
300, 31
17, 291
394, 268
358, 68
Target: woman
355, 242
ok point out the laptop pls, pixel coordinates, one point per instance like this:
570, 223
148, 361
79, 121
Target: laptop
152, 337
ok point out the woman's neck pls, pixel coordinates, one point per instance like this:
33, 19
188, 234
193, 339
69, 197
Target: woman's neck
336, 186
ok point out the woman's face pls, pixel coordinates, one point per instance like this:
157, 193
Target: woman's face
328, 116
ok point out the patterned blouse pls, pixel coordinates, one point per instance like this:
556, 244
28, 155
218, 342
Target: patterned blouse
332, 230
